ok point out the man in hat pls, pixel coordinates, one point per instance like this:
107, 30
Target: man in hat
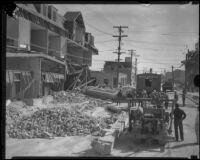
179, 116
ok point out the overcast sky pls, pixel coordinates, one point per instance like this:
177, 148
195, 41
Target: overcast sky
160, 34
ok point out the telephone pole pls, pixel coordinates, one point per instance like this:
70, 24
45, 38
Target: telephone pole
135, 70
133, 54
173, 77
119, 47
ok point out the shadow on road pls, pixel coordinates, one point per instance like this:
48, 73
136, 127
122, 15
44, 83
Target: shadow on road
182, 145
125, 143
89, 153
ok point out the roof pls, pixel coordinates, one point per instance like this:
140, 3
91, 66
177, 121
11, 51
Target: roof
71, 16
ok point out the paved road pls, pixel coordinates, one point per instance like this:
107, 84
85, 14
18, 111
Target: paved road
124, 146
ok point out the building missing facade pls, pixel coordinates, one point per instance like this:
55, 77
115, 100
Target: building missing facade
40, 48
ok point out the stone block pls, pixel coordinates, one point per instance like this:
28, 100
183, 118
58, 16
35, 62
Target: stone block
104, 145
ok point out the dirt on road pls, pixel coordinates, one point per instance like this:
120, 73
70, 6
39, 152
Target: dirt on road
80, 146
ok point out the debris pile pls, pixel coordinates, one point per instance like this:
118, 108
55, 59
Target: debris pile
76, 97
58, 121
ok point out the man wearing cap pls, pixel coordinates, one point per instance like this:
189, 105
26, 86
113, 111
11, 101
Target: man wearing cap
179, 116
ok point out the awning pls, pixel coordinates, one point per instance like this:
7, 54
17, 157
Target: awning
52, 77
11, 76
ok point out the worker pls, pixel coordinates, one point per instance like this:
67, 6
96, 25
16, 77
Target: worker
139, 95
183, 97
129, 95
133, 96
119, 96
167, 101
179, 116
175, 97
197, 125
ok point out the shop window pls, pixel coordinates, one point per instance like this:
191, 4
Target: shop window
17, 77
17, 82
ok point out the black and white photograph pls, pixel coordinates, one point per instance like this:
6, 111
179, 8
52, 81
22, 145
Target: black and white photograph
101, 80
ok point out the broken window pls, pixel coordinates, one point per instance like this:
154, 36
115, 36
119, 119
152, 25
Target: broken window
49, 12
54, 16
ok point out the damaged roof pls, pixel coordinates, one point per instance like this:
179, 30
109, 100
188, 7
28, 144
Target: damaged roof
73, 16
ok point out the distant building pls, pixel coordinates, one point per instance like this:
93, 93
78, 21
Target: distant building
191, 68
108, 79
124, 67
179, 76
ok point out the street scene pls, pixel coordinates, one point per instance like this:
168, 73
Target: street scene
98, 80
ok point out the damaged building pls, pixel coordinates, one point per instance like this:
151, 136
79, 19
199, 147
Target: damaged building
41, 50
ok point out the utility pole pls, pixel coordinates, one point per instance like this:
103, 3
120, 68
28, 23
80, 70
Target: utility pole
119, 47
86, 74
185, 71
135, 70
173, 77
131, 52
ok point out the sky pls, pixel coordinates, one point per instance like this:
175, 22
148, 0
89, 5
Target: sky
159, 34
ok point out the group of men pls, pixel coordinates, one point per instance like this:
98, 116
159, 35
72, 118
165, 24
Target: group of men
177, 114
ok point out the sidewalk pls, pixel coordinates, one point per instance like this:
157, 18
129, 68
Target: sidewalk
193, 96
196, 94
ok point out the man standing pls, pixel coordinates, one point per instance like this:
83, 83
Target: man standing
197, 125
175, 97
179, 116
119, 96
183, 97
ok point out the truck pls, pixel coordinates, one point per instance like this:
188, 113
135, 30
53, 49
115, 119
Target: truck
168, 85
149, 82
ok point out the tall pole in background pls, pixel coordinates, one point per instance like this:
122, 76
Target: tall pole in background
135, 70
173, 77
119, 47
185, 71
131, 52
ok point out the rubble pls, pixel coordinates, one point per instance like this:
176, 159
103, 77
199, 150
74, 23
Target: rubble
65, 115
50, 122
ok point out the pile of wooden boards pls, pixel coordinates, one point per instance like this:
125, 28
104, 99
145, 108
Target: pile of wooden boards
51, 122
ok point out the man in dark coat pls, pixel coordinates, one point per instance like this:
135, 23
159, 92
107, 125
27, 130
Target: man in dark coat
183, 96
175, 97
119, 96
179, 116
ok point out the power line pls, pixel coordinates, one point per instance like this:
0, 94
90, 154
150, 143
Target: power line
155, 43
129, 44
97, 29
164, 33
98, 42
